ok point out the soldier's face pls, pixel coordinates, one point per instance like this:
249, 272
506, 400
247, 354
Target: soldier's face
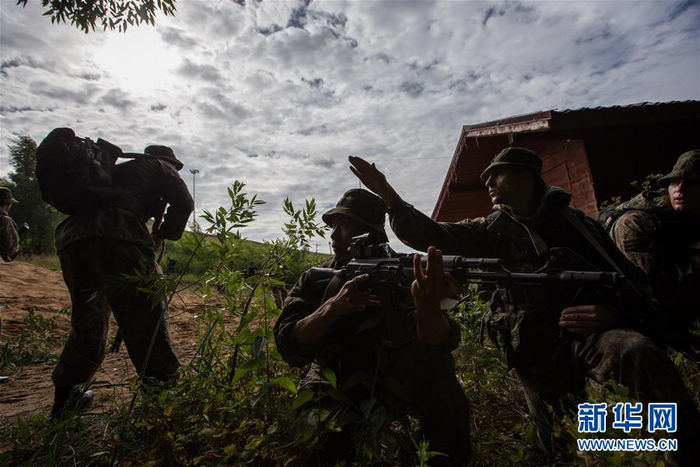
505, 184
344, 229
685, 196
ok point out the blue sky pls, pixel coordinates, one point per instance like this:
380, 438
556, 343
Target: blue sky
279, 93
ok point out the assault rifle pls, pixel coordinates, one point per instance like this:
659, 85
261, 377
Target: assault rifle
398, 270
564, 273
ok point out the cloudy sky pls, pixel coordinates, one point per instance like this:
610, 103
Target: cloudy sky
278, 93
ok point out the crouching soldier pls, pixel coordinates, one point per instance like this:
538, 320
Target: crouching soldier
382, 350
660, 233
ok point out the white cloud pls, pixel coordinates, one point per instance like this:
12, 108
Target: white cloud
277, 94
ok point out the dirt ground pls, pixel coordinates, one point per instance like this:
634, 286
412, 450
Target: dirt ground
26, 288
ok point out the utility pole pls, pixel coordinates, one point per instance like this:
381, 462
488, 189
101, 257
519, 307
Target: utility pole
194, 172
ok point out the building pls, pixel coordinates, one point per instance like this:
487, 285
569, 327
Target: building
593, 153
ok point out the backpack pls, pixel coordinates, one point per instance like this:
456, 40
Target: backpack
654, 203
75, 174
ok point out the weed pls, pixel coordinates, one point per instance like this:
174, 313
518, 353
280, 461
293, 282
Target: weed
35, 342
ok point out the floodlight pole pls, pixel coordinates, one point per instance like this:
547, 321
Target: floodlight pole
194, 172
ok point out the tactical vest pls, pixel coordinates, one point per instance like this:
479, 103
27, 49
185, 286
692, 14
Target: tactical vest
523, 321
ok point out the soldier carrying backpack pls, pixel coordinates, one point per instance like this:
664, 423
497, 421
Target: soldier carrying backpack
660, 233
105, 237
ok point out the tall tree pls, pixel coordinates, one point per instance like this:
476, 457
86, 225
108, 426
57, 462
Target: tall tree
40, 216
111, 14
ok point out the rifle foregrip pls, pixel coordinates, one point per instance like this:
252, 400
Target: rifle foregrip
599, 278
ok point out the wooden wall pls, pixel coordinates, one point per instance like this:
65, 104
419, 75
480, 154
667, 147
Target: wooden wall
564, 164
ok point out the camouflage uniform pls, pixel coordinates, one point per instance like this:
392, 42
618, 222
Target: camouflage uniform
98, 245
381, 344
9, 238
523, 323
665, 244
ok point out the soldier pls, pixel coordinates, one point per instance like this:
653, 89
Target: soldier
9, 237
375, 337
527, 325
660, 233
95, 247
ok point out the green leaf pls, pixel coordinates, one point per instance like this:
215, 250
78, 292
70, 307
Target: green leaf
24, 431
230, 449
302, 398
329, 375
264, 389
240, 373
348, 416
304, 435
286, 383
258, 346
354, 379
339, 395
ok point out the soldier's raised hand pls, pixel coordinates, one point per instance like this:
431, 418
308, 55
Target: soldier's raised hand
372, 178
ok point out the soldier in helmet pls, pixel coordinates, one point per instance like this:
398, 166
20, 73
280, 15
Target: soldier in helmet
553, 336
9, 237
369, 338
660, 233
112, 240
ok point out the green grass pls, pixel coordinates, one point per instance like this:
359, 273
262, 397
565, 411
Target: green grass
35, 343
206, 420
48, 261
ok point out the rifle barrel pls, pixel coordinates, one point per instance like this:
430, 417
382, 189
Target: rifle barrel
474, 270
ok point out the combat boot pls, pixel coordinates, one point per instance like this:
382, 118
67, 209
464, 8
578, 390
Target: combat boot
70, 399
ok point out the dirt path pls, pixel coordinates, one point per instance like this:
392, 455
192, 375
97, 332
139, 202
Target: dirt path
25, 289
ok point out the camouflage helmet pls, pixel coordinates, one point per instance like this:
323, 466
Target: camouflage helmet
362, 206
514, 156
6, 195
687, 167
164, 153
